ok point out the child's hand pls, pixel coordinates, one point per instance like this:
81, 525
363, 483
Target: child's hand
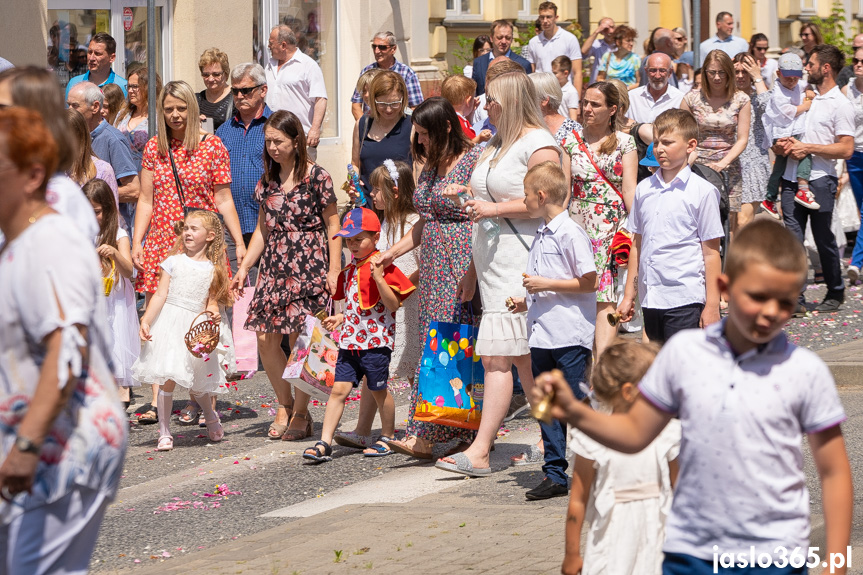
485, 136
376, 268
572, 564
535, 284
106, 251
516, 304
626, 309
144, 331
333, 322
810, 94
708, 316
564, 403
453, 190
215, 315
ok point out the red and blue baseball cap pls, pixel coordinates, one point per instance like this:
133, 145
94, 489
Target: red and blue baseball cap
359, 220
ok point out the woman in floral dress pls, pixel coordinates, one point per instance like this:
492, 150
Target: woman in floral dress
723, 113
300, 260
754, 160
204, 170
444, 231
600, 200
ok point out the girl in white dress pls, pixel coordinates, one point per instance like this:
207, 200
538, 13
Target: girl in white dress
392, 194
625, 497
192, 280
115, 252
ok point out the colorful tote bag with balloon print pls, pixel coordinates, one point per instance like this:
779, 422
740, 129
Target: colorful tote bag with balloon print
450, 388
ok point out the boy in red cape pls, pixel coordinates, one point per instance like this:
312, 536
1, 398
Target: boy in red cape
373, 294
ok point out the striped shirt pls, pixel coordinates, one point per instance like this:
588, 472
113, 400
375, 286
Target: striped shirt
415, 93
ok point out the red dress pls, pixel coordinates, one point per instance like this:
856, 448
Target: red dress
200, 172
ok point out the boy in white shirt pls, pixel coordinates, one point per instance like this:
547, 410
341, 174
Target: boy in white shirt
561, 306
784, 117
674, 261
745, 396
561, 68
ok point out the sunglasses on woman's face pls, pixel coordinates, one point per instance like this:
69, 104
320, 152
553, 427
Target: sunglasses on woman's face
855, 61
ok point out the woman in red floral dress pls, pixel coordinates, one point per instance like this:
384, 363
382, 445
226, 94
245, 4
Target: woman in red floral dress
204, 169
300, 259
600, 201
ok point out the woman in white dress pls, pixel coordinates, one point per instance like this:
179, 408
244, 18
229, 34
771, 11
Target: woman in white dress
63, 437
501, 240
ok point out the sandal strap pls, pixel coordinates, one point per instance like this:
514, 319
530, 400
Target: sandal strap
327, 448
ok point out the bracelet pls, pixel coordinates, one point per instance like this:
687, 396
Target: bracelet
496, 210
758, 80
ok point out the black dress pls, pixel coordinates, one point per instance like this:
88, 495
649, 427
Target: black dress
219, 112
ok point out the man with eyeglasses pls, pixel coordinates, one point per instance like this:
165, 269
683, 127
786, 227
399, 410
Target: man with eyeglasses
724, 39
553, 41
243, 137
501, 40
595, 48
647, 102
296, 83
100, 56
384, 49
848, 71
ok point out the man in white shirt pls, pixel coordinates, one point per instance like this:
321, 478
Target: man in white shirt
724, 39
647, 102
295, 83
552, 42
596, 48
829, 136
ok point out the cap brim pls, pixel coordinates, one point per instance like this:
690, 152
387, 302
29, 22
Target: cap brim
648, 163
348, 233
795, 73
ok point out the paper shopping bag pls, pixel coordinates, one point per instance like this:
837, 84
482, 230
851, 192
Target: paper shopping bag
312, 365
245, 342
451, 381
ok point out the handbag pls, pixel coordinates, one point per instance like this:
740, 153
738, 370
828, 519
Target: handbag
245, 341
621, 242
311, 368
451, 385
108, 281
182, 197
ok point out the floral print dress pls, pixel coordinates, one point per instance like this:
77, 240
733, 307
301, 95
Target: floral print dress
292, 277
200, 172
446, 255
717, 133
595, 206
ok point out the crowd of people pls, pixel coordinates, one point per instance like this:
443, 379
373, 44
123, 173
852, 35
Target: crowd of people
549, 198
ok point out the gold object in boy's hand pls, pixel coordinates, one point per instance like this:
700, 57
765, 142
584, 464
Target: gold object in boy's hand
204, 337
510, 305
542, 410
613, 319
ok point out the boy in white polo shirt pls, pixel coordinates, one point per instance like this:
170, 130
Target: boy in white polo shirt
561, 306
676, 229
745, 396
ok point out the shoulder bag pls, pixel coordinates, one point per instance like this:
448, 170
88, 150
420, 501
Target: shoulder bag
182, 197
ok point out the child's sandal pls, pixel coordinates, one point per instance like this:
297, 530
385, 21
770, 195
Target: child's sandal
166, 443
315, 454
215, 431
380, 448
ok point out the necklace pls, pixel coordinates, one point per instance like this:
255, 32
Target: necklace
32, 219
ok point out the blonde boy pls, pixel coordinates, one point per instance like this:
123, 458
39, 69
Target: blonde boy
459, 91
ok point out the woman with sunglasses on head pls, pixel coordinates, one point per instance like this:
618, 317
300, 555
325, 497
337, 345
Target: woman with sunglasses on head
215, 102
758, 46
384, 132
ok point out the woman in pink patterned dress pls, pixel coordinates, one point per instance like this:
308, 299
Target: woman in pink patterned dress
600, 200
204, 170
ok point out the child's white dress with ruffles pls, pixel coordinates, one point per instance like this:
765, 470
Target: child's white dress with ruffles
629, 502
123, 319
166, 357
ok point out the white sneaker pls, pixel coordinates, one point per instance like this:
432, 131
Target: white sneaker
853, 273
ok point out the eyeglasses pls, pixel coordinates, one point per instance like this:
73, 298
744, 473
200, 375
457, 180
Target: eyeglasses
489, 99
760, 49
131, 87
662, 71
855, 61
716, 73
395, 104
806, 35
381, 47
244, 91
215, 75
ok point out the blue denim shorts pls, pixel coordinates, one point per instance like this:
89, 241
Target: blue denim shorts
374, 364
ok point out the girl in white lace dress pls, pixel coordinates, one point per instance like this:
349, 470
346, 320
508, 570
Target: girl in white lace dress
624, 497
193, 280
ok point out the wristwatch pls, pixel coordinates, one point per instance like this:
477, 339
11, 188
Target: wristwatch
25, 445
756, 80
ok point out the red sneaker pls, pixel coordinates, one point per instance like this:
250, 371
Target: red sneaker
770, 208
806, 199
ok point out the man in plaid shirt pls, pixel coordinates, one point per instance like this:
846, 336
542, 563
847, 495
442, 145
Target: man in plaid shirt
384, 48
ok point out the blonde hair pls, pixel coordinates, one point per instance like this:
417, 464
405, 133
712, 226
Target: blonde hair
515, 94
182, 91
398, 199
83, 169
366, 78
548, 177
216, 253
457, 88
767, 242
215, 56
623, 98
624, 361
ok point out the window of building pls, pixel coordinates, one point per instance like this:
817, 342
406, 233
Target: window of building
528, 9
135, 40
808, 6
464, 9
314, 23
69, 35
